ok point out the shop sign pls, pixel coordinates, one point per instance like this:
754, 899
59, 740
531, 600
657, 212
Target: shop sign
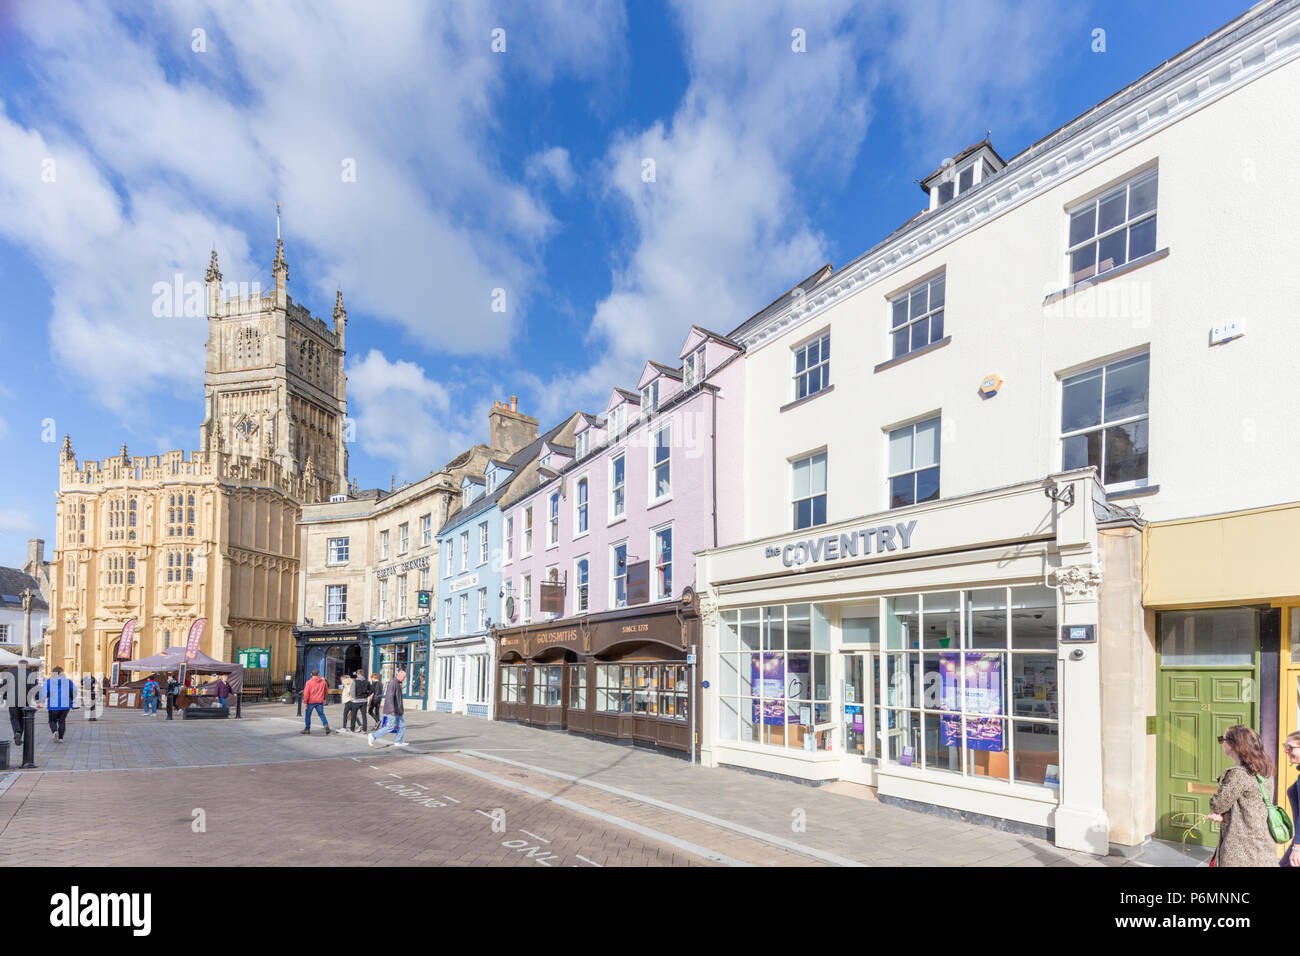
412, 565
424, 600
196, 635
464, 583
638, 583
128, 636
837, 547
552, 598
568, 635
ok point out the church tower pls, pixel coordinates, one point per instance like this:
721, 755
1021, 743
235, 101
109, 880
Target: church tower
274, 386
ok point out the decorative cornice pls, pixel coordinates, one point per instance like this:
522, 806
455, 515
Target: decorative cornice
1199, 82
1079, 581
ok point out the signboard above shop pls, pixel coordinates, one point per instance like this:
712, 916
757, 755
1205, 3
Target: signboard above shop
849, 544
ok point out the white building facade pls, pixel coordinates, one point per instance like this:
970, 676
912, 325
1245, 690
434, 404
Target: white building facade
950, 440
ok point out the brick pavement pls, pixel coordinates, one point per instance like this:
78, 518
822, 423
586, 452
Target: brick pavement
727, 815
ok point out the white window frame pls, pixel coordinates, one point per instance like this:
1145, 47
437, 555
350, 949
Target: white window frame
1102, 367
617, 492
451, 555
794, 501
553, 519
337, 553
654, 562
336, 603
426, 530
914, 470
582, 443
653, 447
383, 599
618, 419
527, 595
650, 398
823, 341
581, 589
509, 528
926, 316
527, 547
401, 596
424, 580
404, 537
581, 509
482, 609
464, 612
693, 368
614, 576
446, 622
1126, 226
464, 550
482, 542
383, 545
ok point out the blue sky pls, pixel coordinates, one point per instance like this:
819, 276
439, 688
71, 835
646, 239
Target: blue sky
475, 170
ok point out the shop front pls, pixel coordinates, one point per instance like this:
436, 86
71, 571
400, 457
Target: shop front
331, 651
1224, 595
463, 675
403, 648
623, 676
945, 654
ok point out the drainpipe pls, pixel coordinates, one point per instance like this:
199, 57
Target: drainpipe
713, 437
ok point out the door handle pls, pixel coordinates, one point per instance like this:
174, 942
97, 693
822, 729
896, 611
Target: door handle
1207, 788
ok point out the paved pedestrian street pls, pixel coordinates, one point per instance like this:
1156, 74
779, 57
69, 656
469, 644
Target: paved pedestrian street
131, 790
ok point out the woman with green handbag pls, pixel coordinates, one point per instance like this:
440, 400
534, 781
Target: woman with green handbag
1241, 805
1292, 749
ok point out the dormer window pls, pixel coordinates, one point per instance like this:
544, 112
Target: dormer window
617, 419
546, 461
464, 496
960, 175
583, 443
491, 478
693, 368
650, 397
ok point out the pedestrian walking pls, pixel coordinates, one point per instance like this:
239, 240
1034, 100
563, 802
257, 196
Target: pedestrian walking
313, 696
57, 694
394, 722
361, 694
150, 697
376, 697
222, 690
1240, 806
1292, 749
346, 699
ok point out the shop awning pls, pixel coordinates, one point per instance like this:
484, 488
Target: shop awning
170, 660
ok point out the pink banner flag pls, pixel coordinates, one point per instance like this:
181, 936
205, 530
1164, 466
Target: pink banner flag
196, 635
126, 643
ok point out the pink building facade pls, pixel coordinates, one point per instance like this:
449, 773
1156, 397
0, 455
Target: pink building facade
598, 555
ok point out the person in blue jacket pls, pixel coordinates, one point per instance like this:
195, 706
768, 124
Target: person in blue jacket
57, 694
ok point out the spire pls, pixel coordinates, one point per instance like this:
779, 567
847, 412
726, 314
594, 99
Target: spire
213, 273
126, 459
278, 266
340, 313
68, 453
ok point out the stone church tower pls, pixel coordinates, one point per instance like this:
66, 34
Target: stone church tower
274, 387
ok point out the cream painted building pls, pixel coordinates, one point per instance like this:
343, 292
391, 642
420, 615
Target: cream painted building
367, 555
1106, 299
165, 540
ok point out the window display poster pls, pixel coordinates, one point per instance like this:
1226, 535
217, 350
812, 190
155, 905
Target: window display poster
983, 673
780, 683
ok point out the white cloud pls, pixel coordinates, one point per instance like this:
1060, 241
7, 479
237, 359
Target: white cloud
552, 164
14, 521
403, 416
158, 148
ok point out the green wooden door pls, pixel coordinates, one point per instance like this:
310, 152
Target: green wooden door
1196, 707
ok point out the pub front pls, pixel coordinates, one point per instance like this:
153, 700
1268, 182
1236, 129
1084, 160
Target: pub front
623, 675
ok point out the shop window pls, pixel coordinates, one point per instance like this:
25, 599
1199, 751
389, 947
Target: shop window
548, 684
914, 464
654, 689
446, 667
1104, 422
1222, 637
774, 677
970, 683
511, 683
578, 686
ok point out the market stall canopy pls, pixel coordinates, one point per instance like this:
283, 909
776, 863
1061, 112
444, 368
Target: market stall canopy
14, 660
171, 659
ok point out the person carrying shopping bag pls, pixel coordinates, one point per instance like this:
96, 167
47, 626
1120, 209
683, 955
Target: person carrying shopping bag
1240, 806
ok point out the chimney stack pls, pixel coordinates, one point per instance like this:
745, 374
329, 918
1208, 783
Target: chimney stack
508, 430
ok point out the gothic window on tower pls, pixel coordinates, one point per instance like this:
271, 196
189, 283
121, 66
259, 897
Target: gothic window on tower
189, 566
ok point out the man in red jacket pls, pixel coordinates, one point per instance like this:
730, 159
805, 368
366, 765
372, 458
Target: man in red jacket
313, 695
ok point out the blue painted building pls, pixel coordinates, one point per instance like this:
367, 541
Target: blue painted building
468, 599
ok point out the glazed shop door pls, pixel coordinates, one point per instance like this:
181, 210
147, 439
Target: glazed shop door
1207, 682
858, 717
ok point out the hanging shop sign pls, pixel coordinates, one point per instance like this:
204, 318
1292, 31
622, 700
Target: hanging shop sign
851, 544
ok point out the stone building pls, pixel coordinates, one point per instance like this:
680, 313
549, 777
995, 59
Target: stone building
168, 539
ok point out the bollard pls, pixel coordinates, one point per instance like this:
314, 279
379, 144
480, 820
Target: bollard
29, 739
239, 705
170, 697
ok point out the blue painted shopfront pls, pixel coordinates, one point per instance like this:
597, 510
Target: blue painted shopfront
403, 647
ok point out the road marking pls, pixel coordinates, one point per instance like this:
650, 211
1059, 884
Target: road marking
535, 836
648, 832
420, 785
750, 832
488, 815
372, 767
452, 799
585, 860
7, 781
397, 775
